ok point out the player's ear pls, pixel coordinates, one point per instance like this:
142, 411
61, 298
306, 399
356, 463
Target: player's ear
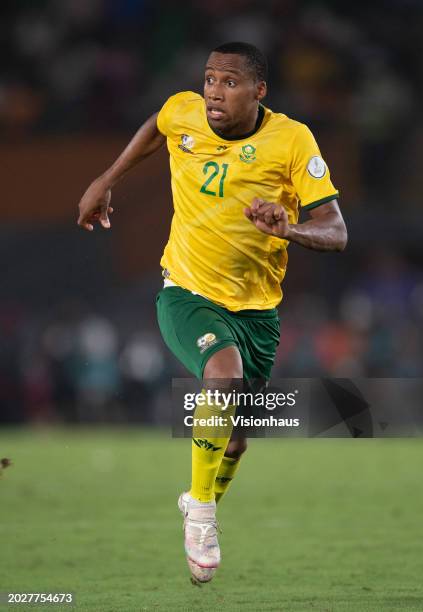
261, 90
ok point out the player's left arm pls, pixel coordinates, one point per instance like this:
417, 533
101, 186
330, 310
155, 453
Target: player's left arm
325, 231
310, 179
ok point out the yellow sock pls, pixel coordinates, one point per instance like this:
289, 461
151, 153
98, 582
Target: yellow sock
227, 470
209, 443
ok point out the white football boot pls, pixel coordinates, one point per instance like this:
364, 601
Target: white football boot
200, 531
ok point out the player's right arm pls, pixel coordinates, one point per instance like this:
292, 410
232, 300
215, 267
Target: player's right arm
95, 203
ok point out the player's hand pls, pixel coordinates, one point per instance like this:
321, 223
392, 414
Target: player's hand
268, 217
95, 206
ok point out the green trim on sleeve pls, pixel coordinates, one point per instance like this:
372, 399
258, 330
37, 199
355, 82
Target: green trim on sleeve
320, 202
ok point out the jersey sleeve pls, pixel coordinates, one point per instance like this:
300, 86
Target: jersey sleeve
310, 175
169, 115
164, 118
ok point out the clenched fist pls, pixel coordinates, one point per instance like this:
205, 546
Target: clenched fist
269, 218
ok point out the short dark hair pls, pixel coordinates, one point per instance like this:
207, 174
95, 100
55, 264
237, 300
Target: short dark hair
255, 58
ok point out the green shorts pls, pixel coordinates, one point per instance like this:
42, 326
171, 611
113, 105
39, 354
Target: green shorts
195, 328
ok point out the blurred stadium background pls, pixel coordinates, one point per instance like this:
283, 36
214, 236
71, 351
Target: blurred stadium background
79, 341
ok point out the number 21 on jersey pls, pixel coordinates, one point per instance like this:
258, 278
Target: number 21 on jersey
215, 182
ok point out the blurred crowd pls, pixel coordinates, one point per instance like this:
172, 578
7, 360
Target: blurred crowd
352, 70
80, 362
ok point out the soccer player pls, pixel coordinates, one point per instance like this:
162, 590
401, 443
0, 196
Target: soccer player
240, 173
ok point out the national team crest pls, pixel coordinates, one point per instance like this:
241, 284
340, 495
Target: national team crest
248, 154
204, 342
187, 142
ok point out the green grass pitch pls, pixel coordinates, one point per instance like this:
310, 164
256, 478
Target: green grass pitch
320, 525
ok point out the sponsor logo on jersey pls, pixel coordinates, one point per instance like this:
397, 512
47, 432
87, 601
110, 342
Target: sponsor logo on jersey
187, 142
221, 148
206, 341
248, 154
316, 167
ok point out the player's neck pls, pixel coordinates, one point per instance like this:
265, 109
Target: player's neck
236, 133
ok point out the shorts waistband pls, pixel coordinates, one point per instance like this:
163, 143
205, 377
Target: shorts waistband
271, 313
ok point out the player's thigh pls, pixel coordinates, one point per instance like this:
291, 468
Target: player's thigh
192, 328
260, 339
224, 364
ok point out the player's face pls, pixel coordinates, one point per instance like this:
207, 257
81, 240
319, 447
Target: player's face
231, 94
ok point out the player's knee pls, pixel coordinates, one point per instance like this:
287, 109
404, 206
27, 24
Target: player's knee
236, 448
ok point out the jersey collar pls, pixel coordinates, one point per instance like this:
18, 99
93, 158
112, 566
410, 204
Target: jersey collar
260, 117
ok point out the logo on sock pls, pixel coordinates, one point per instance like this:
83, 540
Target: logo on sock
202, 443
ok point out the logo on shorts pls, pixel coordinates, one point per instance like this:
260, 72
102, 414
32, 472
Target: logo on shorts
316, 167
248, 154
187, 142
206, 341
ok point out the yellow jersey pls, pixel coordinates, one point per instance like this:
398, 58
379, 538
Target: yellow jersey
213, 249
